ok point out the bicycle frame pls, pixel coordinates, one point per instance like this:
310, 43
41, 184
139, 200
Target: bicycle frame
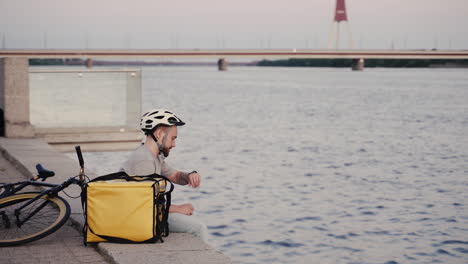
10, 188
53, 191
18, 207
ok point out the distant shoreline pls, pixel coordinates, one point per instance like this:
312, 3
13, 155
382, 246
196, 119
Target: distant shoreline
369, 63
334, 63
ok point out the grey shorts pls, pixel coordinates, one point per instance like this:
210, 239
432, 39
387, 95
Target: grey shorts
180, 223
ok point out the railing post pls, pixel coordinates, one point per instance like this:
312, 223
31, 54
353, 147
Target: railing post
14, 98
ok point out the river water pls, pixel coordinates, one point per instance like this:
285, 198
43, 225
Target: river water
320, 165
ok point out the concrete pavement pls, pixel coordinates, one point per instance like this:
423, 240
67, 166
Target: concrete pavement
63, 246
24, 154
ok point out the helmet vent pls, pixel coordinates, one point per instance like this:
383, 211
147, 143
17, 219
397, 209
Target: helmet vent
156, 117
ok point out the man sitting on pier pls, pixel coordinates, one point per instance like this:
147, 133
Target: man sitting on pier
160, 128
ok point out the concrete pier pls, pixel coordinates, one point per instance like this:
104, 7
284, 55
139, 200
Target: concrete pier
25, 107
357, 64
222, 64
14, 97
89, 63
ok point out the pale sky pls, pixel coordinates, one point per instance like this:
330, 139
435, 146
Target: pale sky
148, 24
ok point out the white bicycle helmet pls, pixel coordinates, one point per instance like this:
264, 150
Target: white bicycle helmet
156, 117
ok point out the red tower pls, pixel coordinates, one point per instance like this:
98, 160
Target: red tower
340, 11
340, 16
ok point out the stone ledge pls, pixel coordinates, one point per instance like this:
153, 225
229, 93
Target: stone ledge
91, 139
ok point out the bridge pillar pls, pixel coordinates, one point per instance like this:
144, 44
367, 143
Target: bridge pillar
357, 64
222, 64
89, 63
14, 98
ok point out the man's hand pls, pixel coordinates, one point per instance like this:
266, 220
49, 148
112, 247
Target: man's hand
186, 209
194, 179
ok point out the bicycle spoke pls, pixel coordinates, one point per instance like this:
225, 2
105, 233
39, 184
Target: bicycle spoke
38, 220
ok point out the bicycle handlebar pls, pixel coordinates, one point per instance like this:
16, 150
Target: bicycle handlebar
80, 157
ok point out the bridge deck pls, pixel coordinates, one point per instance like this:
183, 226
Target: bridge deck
235, 53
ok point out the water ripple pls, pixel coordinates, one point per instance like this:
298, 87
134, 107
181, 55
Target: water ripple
338, 236
383, 232
285, 243
218, 227
445, 252
451, 242
234, 243
368, 213
312, 218
348, 249
219, 234
461, 250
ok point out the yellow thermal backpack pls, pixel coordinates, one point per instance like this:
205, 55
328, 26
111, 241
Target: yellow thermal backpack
123, 209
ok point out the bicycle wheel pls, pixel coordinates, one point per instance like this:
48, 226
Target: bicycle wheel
53, 214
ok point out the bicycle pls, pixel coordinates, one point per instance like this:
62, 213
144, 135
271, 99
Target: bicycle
30, 216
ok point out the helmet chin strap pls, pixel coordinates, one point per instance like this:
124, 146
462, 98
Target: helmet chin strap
155, 141
161, 146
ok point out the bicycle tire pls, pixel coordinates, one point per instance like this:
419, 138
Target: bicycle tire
48, 220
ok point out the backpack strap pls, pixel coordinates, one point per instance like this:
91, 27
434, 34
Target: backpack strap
152, 177
112, 176
123, 175
123, 240
164, 223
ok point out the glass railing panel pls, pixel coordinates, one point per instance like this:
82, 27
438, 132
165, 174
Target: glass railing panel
85, 98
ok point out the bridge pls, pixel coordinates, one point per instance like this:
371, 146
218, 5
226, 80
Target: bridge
235, 53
